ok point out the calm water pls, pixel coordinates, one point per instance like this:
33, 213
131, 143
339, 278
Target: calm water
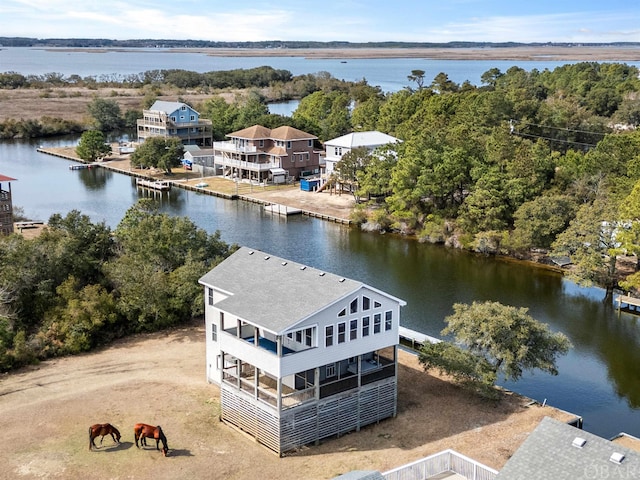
598, 379
388, 74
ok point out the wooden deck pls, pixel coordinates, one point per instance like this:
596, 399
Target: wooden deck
628, 304
160, 185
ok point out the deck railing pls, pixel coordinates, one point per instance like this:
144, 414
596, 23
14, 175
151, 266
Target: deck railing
446, 461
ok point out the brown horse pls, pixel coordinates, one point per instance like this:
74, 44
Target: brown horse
102, 429
142, 431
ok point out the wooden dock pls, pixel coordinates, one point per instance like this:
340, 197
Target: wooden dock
160, 185
282, 209
628, 304
414, 340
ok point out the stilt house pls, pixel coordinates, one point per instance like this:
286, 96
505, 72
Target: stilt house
300, 354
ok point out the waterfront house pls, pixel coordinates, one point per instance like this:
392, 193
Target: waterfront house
260, 154
174, 120
336, 148
300, 354
6, 205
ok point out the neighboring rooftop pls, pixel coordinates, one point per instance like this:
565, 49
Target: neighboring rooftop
556, 450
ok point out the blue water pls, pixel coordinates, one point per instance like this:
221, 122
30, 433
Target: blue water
390, 74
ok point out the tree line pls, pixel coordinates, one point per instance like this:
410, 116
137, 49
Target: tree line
79, 284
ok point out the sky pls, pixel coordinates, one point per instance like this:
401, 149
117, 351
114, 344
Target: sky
594, 21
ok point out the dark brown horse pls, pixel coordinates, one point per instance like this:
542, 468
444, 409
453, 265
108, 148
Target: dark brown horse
102, 429
142, 431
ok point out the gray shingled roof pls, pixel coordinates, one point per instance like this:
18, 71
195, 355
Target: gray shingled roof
548, 453
275, 293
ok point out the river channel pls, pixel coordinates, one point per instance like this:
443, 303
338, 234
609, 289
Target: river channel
598, 379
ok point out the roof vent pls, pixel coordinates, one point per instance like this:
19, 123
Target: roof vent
578, 442
303, 267
284, 263
321, 274
267, 257
616, 458
251, 252
341, 280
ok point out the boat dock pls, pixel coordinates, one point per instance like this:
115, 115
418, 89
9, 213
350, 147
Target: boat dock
282, 209
414, 340
160, 185
628, 304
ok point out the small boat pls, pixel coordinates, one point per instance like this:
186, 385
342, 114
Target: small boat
343, 61
201, 185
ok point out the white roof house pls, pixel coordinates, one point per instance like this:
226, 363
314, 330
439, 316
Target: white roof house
337, 147
300, 354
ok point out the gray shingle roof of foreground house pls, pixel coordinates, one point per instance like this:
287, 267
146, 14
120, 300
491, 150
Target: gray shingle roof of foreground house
558, 451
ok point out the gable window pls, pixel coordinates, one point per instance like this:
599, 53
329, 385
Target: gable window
342, 332
343, 312
214, 332
328, 335
310, 143
377, 321
353, 306
210, 295
184, 107
365, 326
288, 145
366, 303
376, 304
353, 329
330, 370
388, 316
193, 118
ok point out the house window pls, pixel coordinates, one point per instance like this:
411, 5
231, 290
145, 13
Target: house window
353, 329
366, 303
290, 335
335, 150
261, 143
388, 320
210, 295
365, 326
343, 312
308, 337
310, 143
214, 332
192, 118
377, 304
288, 145
330, 370
342, 332
299, 336
377, 321
353, 306
173, 119
184, 107
328, 335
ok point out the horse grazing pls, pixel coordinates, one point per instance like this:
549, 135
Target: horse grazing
102, 429
142, 431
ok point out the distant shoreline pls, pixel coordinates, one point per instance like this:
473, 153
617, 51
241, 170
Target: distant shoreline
528, 53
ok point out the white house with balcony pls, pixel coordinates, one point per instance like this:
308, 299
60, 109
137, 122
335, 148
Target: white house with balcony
300, 354
336, 148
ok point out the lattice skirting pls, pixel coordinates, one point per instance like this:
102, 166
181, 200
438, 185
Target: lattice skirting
311, 421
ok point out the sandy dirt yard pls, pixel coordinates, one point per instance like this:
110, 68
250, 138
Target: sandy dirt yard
45, 412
